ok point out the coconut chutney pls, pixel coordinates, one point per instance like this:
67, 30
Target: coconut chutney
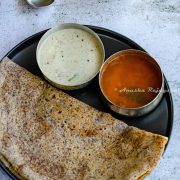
70, 56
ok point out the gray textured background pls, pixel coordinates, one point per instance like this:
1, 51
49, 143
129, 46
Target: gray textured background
154, 24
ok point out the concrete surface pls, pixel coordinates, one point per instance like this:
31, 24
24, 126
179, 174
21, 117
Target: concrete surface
154, 24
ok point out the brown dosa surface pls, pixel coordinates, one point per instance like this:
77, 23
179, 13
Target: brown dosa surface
46, 134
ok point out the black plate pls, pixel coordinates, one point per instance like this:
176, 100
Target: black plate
158, 121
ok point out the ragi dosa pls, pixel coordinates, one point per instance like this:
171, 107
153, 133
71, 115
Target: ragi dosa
47, 134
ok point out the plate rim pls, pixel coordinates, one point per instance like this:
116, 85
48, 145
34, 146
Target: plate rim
112, 34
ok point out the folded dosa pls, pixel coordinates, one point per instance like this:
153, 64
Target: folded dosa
47, 134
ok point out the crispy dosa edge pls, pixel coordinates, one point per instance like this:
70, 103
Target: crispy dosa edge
15, 169
162, 143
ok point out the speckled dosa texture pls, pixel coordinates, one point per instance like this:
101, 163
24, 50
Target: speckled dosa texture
46, 134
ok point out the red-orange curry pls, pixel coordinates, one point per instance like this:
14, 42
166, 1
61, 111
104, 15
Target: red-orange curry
128, 81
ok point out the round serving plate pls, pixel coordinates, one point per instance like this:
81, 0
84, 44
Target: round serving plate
158, 121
